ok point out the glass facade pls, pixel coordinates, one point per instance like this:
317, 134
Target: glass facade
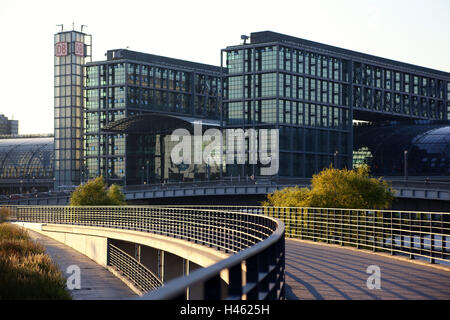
398, 92
312, 93
303, 94
72, 51
129, 84
382, 147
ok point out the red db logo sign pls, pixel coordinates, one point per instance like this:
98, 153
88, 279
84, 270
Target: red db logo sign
61, 49
79, 48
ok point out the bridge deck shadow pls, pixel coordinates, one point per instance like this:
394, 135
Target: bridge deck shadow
323, 272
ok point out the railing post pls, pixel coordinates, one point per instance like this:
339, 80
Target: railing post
235, 282
442, 237
432, 261
357, 229
302, 221
382, 231
411, 237
342, 226
252, 277
314, 225
392, 236
374, 234
402, 243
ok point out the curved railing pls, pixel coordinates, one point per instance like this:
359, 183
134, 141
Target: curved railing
416, 234
141, 277
254, 271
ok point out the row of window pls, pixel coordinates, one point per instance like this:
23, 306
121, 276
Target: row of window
94, 121
291, 112
153, 77
67, 144
291, 165
291, 60
71, 59
68, 122
67, 91
398, 81
68, 69
67, 112
399, 103
68, 80
67, 133
296, 87
104, 145
64, 102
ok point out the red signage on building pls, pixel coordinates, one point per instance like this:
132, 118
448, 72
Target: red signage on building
79, 48
61, 49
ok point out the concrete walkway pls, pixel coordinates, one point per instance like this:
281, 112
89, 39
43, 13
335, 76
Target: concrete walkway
325, 272
97, 283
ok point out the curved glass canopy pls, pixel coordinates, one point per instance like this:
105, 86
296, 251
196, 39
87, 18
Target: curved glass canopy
26, 158
427, 146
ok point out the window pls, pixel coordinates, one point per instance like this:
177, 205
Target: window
235, 87
268, 85
234, 61
268, 111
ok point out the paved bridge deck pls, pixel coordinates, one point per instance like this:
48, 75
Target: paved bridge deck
97, 283
319, 271
313, 271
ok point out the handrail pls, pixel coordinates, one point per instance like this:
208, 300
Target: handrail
133, 270
175, 289
417, 234
255, 270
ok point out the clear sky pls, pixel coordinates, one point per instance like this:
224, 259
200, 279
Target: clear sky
412, 31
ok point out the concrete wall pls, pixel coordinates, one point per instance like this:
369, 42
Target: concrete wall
94, 247
167, 257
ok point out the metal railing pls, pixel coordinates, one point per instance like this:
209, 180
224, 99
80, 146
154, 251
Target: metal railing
255, 270
133, 270
416, 234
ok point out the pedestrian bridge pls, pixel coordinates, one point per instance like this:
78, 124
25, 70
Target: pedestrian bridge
420, 189
255, 253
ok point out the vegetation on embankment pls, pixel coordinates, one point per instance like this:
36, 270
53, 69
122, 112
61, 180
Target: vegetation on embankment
26, 272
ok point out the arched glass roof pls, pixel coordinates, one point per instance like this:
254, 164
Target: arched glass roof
26, 158
435, 141
428, 147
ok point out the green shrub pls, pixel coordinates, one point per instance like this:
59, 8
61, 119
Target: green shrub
96, 193
334, 188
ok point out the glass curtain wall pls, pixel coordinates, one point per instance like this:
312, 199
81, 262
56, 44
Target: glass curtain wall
72, 51
303, 94
118, 89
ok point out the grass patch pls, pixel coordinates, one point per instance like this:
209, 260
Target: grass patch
5, 213
26, 272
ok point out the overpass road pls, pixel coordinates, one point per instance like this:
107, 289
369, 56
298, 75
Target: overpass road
328, 272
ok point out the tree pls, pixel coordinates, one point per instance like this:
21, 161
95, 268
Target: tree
334, 188
287, 197
116, 197
95, 193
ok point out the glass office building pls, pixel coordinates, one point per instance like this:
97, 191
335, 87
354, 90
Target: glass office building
72, 51
8, 127
133, 101
312, 93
